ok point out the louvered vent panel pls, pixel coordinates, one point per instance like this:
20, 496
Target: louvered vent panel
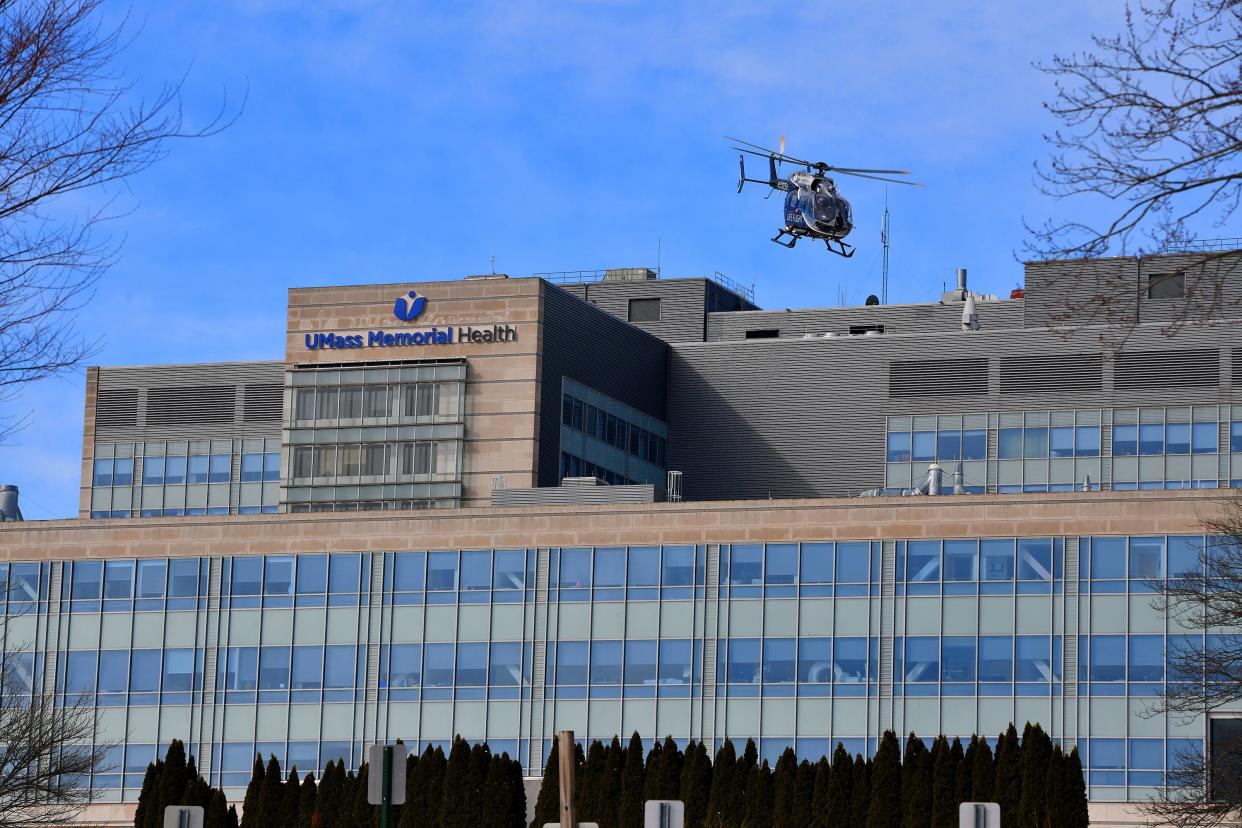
116, 407
929, 378
263, 403
1039, 373
203, 404
1237, 368
1167, 369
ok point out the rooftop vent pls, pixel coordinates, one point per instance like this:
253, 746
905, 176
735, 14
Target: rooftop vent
9, 510
488, 276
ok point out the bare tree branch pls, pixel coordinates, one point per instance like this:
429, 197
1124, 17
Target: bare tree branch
66, 125
48, 747
1151, 131
1204, 672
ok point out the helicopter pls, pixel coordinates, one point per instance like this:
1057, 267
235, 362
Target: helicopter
814, 209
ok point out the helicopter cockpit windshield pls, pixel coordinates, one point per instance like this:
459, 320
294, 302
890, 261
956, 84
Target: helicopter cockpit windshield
827, 213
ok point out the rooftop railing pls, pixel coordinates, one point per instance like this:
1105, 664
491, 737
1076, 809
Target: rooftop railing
576, 277
1204, 246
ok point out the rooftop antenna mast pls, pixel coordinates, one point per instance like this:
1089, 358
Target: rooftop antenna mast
884, 244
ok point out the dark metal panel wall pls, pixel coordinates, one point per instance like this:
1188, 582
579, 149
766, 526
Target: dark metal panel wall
683, 304
805, 418
587, 344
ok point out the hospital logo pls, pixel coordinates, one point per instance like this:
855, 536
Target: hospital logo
407, 309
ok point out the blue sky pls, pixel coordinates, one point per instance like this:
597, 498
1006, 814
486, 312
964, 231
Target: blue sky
392, 141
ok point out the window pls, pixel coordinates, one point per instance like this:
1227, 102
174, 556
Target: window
505, 666
960, 560
816, 563
997, 560
152, 471
1146, 557
675, 660
351, 403
1061, 442
949, 445
304, 404
849, 660
199, 469
814, 660
763, 333
118, 579
1203, 438
375, 402
174, 470
1225, 741
1009, 443
251, 467
1108, 657
80, 673
103, 473
742, 665
898, 447
644, 310
1034, 443
1032, 658
1151, 438
780, 565
471, 665
779, 660
924, 445
958, 658
571, 663
1125, 440
221, 468
995, 658
273, 668
644, 570
1108, 558
307, 668
405, 668
853, 562
1087, 441
374, 459
640, 662
1177, 438
922, 658
1146, 657
606, 662
1166, 286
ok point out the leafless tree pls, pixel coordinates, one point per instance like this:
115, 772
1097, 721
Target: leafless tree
67, 124
1204, 674
47, 752
1150, 138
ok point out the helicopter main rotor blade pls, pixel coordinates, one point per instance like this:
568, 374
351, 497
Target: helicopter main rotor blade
879, 178
766, 152
861, 170
776, 156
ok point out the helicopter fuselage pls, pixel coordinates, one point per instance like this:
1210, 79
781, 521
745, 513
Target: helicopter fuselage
813, 207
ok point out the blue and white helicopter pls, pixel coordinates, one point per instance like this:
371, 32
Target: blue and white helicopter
813, 207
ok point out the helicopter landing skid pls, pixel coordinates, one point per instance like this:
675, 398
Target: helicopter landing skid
792, 239
842, 249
